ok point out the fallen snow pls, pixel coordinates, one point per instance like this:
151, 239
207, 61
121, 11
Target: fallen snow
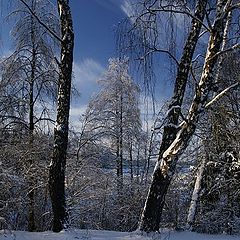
109, 235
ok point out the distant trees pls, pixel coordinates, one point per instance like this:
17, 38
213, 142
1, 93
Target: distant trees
113, 117
111, 156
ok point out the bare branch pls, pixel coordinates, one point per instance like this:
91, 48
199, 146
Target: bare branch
180, 12
44, 119
152, 50
40, 22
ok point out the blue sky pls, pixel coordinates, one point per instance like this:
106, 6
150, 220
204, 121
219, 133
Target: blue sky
95, 22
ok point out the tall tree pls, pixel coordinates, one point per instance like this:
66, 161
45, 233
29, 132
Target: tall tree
30, 74
58, 163
154, 204
166, 164
221, 172
113, 115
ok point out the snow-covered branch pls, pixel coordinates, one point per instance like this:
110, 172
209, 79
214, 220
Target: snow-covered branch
42, 23
221, 94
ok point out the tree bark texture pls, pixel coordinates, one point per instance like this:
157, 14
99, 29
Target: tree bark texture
119, 123
197, 187
175, 139
57, 166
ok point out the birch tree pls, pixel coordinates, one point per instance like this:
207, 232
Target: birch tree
58, 164
166, 164
219, 79
30, 75
176, 136
221, 171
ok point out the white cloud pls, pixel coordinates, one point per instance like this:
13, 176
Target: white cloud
75, 114
77, 111
5, 52
127, 8
86, 74
87, 71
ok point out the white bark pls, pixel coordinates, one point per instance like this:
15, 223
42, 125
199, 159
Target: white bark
195, 196
221, 94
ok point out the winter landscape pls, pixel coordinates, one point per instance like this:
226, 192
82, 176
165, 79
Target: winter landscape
120, 119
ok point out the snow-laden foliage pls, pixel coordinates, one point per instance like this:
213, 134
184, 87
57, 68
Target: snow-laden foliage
112, 125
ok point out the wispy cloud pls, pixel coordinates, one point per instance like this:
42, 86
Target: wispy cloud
5, 52
87, 70
75, 114
110, 5
86, 74
127, 8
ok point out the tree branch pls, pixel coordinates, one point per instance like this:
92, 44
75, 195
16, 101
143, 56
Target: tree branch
152, 50
221, 94
180, 12
40, 22
234, 47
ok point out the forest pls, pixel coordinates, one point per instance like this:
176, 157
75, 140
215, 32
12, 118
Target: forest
132, 163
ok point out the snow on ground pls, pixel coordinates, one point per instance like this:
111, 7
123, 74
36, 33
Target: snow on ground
109, 235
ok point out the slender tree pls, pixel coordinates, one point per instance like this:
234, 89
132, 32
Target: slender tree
30, 74
176, 136
58, 163
154, 205
113, 115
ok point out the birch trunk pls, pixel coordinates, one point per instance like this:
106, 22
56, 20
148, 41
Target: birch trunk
57, 166
197, 187
165, 167
31, 191
151, 215
195, 196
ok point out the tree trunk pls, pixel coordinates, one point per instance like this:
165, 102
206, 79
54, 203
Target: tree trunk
121, 138
197, 188
131, 160
31, 191
195, 195
175, 139
119, 123
57, 166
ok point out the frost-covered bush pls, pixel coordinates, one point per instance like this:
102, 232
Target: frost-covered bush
15, 174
